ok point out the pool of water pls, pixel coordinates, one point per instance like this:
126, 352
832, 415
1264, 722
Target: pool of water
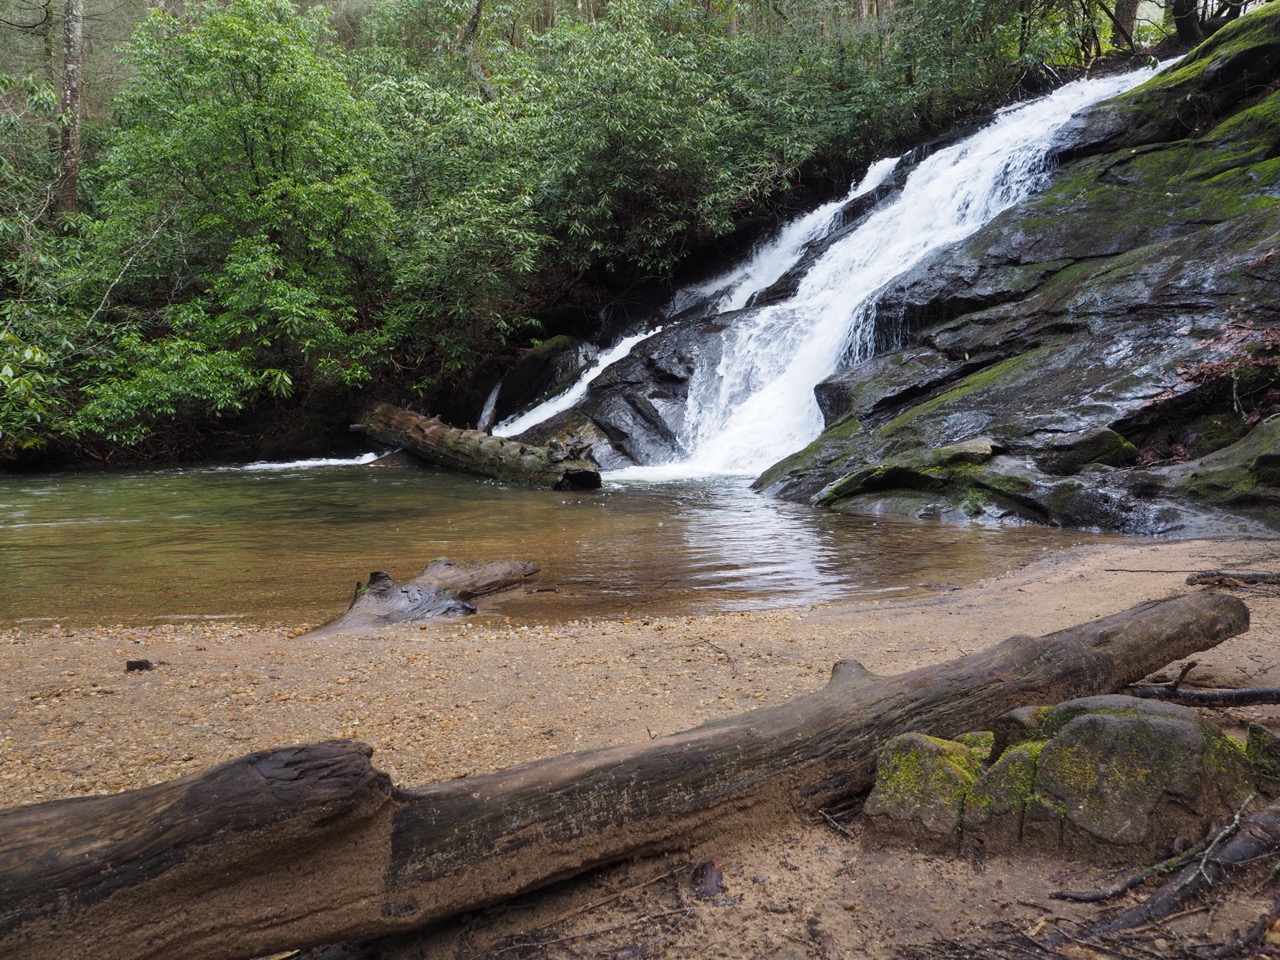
287, 544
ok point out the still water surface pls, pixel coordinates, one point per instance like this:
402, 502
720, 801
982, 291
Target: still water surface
288, 544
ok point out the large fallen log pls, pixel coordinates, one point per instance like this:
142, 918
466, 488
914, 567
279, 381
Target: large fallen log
553, 467
441, 590
310, 845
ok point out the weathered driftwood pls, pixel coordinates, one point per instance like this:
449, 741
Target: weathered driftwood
441, 590
553, 467
310, 845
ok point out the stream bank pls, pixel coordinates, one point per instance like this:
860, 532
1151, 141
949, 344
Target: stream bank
462, 698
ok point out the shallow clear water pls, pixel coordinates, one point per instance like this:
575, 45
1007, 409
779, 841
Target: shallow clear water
289, 545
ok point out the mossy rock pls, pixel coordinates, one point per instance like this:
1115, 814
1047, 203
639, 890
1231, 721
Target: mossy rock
920, 789
1247, 473
995, 809
1132, 775
1109, 779
1262, 747
1099, 445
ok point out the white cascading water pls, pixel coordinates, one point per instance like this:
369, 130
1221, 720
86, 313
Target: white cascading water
770, 260
549, 408
756, 405
490, 405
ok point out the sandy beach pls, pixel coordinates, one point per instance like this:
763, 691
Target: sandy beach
462, 698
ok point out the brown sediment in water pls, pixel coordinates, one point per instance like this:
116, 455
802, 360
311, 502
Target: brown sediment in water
468, 697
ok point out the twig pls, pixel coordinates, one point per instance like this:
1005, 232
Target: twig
1223, 834
1141, 570
839, 828
1122, 887
1157, 924
129, 263
1182, 674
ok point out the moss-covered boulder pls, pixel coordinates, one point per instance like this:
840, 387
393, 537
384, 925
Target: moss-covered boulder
1115, 339
1138, 774
920, 789
1110, 779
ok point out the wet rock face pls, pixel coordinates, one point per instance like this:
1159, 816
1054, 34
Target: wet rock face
544, 372
635, 410
1105, 778
1099, 335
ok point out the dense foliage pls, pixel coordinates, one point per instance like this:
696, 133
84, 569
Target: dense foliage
269, 211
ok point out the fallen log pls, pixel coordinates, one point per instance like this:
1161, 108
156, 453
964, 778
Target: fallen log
441, 590
311, 845
553, 467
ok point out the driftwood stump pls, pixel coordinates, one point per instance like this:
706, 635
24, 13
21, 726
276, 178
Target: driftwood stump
553, 467
311, 845
441, 590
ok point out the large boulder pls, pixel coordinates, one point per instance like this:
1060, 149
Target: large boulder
634, 411
1116, 338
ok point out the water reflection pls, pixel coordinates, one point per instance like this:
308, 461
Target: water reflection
289, 544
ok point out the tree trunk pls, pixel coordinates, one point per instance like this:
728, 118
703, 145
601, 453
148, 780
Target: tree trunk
309, 845
1186, 20
69, 151
467, 41
441, 590
1124, 22
553, 467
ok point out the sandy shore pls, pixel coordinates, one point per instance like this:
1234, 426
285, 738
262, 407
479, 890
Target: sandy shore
463, 698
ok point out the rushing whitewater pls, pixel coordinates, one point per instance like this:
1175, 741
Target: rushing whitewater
769, 261
756, 405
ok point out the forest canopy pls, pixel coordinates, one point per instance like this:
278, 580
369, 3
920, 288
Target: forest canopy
257, 206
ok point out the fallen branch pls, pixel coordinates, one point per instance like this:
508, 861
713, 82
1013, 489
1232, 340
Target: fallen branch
1237, 845
441, 590
1123, 886
1230, 578
1244, 697
310, 845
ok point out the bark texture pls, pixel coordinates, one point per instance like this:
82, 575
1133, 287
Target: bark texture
311, 845
441, 590
72, 63
553, 467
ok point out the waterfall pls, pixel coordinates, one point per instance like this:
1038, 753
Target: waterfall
563, 401
756, 404
770, 260
490, 405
